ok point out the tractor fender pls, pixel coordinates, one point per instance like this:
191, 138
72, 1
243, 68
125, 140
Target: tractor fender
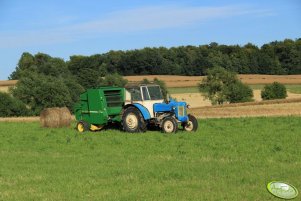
144, 111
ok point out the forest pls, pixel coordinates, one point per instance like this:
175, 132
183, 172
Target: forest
277, 57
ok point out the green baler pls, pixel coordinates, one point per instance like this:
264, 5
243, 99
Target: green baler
98, 107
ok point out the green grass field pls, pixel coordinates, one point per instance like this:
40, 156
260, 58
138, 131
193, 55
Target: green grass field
227, 159
293, 88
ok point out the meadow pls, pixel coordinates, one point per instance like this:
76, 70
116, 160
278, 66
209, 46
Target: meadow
226, 159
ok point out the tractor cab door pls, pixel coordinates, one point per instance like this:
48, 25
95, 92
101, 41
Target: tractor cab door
150, 96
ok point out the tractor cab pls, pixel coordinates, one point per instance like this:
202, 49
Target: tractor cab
144, 95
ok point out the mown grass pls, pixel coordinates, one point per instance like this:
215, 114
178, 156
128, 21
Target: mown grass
227, 159
293, 88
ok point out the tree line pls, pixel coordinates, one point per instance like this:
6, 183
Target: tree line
278, 57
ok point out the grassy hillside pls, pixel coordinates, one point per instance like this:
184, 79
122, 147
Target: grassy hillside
227, 159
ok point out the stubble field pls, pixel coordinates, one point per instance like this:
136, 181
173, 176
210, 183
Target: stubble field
192, 81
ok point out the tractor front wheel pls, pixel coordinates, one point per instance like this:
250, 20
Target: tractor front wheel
191, 125
82, 126
169, 125
133, 121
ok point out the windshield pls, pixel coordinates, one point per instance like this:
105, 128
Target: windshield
155, 93
135, 93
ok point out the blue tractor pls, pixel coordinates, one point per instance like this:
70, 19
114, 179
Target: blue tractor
145, 106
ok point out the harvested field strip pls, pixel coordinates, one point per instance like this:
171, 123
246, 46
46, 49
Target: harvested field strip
192, 81
267, 102
8, 82
281, 109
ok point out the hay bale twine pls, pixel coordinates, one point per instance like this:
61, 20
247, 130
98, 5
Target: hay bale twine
55, 117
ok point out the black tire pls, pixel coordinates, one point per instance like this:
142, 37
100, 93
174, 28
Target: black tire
82, 126
169, 125
191, 125
133, 121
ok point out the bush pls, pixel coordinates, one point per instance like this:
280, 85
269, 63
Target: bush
222, 86
10, 106
74, 89
39, 91
238, 92
274, 91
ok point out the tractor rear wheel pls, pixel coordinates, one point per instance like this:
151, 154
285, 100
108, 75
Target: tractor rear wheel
191, 125
169, 125
133, 121
82, 126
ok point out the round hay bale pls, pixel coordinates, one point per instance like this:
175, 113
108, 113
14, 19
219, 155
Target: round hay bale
65, 117
50, 117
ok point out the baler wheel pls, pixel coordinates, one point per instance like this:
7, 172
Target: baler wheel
82, 126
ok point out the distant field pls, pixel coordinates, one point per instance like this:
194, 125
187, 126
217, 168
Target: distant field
253, 109
192, 81
175, 81
227, 159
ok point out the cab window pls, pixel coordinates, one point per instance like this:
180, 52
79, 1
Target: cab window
145, 94
155, 93
135, 93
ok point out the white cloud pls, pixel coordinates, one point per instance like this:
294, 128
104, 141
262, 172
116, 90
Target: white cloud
134, 20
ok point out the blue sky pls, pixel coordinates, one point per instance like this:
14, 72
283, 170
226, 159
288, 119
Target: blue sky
75, 27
